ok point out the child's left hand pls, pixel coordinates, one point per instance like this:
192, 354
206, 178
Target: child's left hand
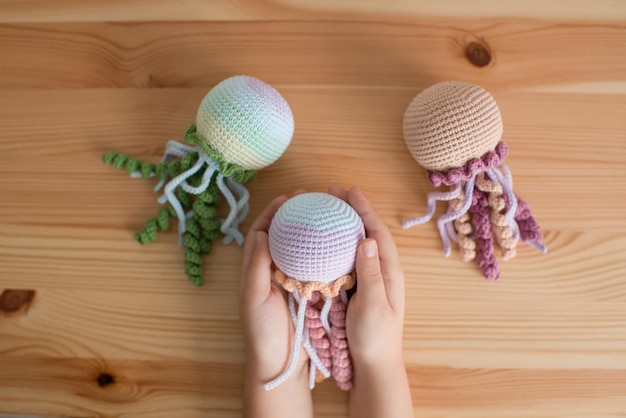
267, 324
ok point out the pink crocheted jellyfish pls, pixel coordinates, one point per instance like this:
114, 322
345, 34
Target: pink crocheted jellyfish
313, 240
453, 129
242, 125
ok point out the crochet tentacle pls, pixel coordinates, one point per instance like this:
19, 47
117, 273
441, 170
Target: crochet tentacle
463, 228
500, 225
143, 169
206, 213
318, 336
528, 226
341, 362
297, 344
201, 229
196, 246
486, 260
150, 231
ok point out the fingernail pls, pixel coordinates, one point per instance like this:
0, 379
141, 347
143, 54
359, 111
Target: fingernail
370, 249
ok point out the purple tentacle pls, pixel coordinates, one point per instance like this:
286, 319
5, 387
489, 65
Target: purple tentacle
529, 229
485, 257
433, 198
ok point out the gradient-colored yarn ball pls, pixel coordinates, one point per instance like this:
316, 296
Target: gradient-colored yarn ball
314, 237
246, 121
450, 123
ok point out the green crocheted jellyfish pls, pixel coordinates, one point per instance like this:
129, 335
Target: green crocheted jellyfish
242, 125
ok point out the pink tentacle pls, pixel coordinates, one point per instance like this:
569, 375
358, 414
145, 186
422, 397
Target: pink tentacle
317, 333
528, 227
341, 363
485, 257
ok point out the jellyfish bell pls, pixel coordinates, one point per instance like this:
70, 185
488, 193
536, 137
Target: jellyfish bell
451, 123
246, 121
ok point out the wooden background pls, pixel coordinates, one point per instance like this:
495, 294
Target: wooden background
93, 324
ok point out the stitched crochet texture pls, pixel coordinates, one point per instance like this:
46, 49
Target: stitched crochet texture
314, 236
453, 129
313, 240
246, 121
450, 123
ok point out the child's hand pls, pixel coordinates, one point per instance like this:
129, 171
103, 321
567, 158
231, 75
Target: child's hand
265, 317
374, 320
376, 311
269, 333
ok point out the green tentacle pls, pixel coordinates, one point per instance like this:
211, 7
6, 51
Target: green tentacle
150, 230
196, 247
204, 226
146, 169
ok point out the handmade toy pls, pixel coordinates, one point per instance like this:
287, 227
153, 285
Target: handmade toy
313, 240
242, 125
454, 129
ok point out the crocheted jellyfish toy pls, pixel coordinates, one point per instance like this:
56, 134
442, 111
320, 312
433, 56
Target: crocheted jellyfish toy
454, 129
313, 240
242, 125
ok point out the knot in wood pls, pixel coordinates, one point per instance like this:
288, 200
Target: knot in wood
105, 379
13, 300
478, 54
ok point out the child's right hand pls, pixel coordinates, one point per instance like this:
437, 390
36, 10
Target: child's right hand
376, 311
374, 321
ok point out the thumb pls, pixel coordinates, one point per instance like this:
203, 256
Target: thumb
258, 276
371, 288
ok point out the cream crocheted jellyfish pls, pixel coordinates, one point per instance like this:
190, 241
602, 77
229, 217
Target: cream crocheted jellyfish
313, 240
242, 125
453, 129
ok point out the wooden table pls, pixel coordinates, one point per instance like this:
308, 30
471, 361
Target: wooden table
93, 324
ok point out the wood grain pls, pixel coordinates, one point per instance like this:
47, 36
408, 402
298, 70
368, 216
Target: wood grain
525, 54
113, 329
243, 10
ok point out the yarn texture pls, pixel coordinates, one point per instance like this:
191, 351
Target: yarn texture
246, 121
313, 237
243, 125
450, 123
313, 240
454, 130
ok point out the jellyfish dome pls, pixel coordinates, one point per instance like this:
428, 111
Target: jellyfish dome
246, 121
313, 241
454, 130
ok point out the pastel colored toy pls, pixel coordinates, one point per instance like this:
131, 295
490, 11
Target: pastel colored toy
313, 241
454, 129
242, 125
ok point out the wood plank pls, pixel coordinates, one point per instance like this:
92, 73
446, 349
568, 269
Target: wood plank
223, 10
190, 389
478, 324
200, 54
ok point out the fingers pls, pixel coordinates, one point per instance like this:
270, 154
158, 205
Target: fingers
387, 252
261, 223
371, 288
257, 278
339, 192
